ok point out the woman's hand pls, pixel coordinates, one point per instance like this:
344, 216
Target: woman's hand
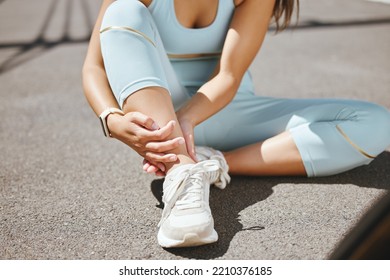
187, 127
188, 132
151, 168
142, 134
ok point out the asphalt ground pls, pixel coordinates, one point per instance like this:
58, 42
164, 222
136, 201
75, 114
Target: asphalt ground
66, 192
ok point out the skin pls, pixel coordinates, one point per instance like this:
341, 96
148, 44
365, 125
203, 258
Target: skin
163, 137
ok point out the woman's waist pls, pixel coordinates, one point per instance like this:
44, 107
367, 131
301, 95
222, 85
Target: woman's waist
194, 72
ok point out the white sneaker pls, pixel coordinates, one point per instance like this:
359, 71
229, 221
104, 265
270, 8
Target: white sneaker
221, 178
186, 219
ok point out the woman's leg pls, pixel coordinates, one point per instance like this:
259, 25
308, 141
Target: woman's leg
136, 67
156, 103
297, 136
132, 53
277, 155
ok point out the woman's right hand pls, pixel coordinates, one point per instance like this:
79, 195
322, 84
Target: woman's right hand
142, 134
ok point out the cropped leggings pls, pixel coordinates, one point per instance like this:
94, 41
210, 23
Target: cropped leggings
332, 135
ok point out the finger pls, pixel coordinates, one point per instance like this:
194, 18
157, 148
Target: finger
189, 139
152, 169
146, 165
160, 147
160, 173
145, 121
161, 166
191, 147
162, 133
158, 157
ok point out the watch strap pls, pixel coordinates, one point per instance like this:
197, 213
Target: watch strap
103, 119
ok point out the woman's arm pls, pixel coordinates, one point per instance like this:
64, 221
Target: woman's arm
134, 129
243, 40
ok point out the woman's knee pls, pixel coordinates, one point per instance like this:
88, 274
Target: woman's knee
125, 14
375, 124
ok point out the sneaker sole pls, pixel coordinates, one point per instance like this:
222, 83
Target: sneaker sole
189, 240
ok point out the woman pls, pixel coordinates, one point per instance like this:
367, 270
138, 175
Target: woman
164, 75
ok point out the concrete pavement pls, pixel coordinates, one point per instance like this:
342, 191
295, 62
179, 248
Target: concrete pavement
66, 192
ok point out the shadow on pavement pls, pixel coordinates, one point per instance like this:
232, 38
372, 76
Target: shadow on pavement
226, 208
31, 49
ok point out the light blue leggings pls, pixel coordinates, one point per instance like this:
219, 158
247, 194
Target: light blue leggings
332, 135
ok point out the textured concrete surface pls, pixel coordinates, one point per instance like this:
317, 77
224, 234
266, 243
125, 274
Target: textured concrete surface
66, 192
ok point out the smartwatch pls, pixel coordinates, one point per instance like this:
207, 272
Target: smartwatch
103, 119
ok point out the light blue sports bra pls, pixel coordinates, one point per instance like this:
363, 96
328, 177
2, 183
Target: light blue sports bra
180, 40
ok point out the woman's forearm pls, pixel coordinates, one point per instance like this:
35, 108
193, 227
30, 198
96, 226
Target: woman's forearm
210, 98
97, 89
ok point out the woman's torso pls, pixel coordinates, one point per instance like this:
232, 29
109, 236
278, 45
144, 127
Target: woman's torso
194, 52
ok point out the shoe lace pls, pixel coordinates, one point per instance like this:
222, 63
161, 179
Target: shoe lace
187, 189
220, 178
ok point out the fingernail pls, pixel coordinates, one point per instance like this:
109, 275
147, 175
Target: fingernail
150, 169
154, 126
181, 141
173, 158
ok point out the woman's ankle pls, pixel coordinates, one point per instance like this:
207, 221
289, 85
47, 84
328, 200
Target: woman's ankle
182, 160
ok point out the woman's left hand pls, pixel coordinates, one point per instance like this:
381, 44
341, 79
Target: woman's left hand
188, 133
